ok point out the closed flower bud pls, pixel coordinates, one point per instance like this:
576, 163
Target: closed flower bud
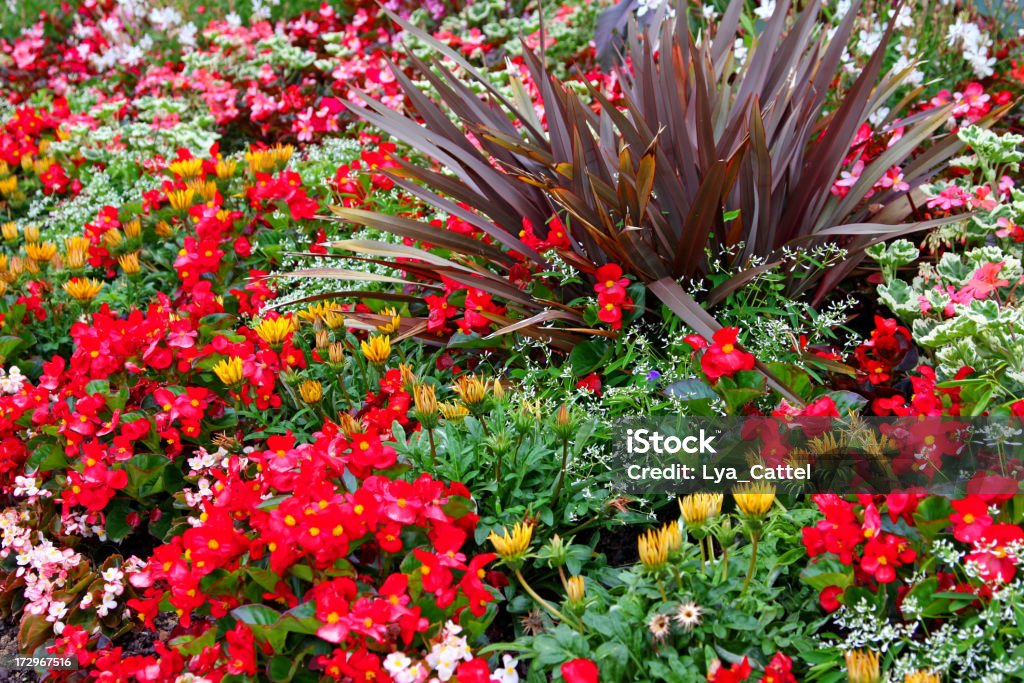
336, 352
31, 233
564, 425
323, 339
426, 404
408, 376
576, 590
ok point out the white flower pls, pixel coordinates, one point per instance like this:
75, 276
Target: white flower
397, 662
56, 611
112, 575
765, 10
507, 673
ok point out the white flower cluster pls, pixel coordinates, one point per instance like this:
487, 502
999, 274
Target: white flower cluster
113, 587
442, 660
28, 487
11, 380
975, 44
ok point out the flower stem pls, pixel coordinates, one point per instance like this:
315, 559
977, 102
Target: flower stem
539, 600
754, 536
433, 449
561, 474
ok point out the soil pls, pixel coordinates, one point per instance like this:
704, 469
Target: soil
139, 643
9, 649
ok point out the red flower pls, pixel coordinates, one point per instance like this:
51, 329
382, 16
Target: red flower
779, 670
241, 647
610, 281
734, 674
591, 382
580, 671
829, 598
723, 358
970, 519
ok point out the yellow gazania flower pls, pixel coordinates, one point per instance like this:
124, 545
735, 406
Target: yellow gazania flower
164, 229
229, 371
226, 169
311, 391
181, 199
42, 252
259, 161
186, 168
333, 319
652, 549
133, 229
349, 425
392, 325
453, 411
9, 230
408, 376
129, 263
576, 589
207, 190
471, 389
274, 331
8, 185
82, 289
281, 154
922, 677
76, 250
377, 349
863, 667
697, 508
17, 266
514, 545
323, 339
31, 233
672, 537
426, 401
754, 499
41, 166
112, 239
314, 311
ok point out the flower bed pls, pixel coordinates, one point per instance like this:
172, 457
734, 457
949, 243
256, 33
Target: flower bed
319, 326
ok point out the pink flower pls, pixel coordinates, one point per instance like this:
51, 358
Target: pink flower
985, 281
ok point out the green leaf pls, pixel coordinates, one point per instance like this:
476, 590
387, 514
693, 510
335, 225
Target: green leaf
117, 519
256, 614
587, 357
46, 456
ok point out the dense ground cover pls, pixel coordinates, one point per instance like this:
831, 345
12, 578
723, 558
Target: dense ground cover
316, 323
